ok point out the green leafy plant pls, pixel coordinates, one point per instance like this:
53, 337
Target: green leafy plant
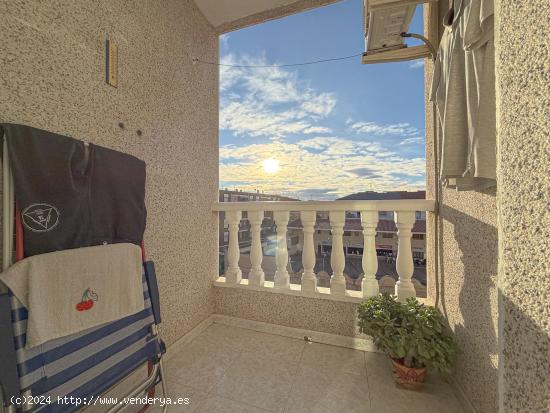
410, 332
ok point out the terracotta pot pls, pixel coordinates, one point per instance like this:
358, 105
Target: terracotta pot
408, 377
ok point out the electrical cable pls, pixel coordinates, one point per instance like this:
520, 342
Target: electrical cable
433, 52
196, 60
313, 62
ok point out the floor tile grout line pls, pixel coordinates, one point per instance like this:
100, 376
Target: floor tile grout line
242, 402
211, 393
200, 402
298, 363
212, 388
362, 369
368, 383
223, 374
301, 355
239, 401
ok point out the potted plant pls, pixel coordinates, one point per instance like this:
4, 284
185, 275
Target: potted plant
411, 333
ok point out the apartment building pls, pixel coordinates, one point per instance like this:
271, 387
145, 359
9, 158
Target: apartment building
386, 236
386, 231
236, 195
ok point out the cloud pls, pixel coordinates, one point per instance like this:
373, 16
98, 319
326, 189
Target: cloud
272, 113
403, 129
320, 105
271, 85
229, 76
252, 119
269, 102
410, 141
322, 167
314, 193
317, 143
317, 129
224, 40
417, 64
368, 172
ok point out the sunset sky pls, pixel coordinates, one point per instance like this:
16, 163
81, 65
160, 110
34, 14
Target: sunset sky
320, 131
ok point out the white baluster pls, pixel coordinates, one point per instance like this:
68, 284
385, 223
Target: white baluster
233, 273
405, 266
309, 280
337, 257
256, 276
281, 279
369, 220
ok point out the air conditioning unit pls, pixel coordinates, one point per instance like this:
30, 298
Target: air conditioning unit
385, 21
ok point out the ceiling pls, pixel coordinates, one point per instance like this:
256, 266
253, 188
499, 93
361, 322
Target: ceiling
220, 12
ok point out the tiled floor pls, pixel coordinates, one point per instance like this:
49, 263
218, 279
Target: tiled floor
228, 369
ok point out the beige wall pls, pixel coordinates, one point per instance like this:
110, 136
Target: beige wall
523, 120
278, 12
299, 312
52, 77
508, 329
468, 292
466, 259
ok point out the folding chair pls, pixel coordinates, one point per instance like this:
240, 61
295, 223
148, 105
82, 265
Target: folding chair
83, 365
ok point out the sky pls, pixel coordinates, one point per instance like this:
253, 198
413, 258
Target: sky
321, 131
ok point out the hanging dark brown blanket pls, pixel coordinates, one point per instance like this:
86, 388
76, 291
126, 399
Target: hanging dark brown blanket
71, 195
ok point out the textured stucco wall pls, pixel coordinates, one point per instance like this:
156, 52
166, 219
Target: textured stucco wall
466, 257
52, 63
523, 120
315, 314
468, 243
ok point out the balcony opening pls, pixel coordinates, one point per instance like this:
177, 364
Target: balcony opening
320, 132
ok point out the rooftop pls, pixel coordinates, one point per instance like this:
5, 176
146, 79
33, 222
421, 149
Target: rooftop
382, 196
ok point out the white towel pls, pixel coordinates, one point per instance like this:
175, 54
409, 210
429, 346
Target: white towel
72, 290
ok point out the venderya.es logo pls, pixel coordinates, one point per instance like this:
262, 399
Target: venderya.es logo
40, 217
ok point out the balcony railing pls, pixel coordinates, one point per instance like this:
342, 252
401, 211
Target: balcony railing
405, 216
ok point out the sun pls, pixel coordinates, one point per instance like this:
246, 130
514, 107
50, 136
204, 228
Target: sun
271, 166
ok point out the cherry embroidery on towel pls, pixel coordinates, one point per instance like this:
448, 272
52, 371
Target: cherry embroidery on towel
88, 299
